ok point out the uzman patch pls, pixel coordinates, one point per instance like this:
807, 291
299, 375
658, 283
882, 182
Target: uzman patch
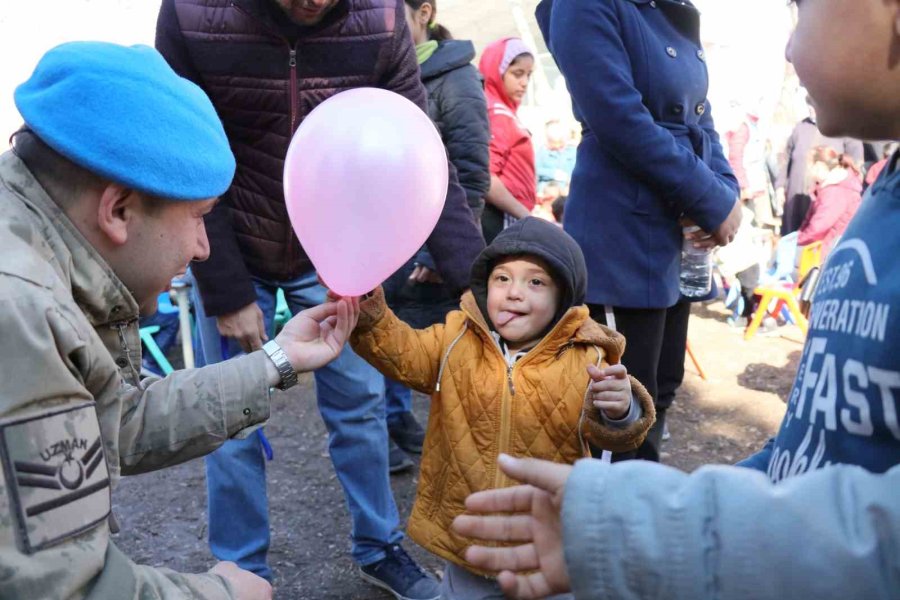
56, 474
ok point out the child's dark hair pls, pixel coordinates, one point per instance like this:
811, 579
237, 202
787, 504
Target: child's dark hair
436, 31
557, 207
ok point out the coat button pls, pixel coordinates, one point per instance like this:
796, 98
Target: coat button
701, 55
122, 362
700, 109
677, 109
652, 3
246, 412
671, 51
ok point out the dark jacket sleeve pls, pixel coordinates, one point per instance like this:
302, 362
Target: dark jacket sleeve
585, 39
463, 116
456, 239
223, 279
782, 180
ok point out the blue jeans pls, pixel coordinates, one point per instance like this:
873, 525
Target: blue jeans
350, 395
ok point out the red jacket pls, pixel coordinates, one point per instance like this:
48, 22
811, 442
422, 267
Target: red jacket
834, 204
512, 153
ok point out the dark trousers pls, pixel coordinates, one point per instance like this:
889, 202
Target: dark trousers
654, 355
749, 279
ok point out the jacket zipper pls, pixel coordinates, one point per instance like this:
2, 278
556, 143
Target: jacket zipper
437, 385
295, 109
505, 424
292, 63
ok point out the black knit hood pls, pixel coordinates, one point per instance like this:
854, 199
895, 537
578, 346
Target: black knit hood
534, 237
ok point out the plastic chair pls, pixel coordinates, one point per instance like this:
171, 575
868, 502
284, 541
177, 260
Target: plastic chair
785, 294
282, 312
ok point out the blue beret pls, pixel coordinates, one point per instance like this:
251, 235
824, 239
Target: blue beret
123, 113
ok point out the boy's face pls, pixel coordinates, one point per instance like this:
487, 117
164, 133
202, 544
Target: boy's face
847, 55
522, 299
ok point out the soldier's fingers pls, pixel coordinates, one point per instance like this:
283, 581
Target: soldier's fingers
261, 326
507, 528
321, 312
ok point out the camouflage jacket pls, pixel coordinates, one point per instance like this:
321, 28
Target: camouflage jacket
75, 416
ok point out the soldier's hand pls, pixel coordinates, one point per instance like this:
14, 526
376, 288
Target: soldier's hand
316, 336
246, 585
246, 325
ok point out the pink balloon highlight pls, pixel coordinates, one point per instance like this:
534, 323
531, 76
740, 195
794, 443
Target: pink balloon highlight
365, 179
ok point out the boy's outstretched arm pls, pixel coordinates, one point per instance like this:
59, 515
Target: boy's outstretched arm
410, 356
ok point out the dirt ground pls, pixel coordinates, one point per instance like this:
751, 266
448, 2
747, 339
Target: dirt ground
163, 515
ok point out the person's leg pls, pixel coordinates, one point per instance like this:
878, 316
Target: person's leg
350, 395
643, 330
669, 375
237, 501
749, 279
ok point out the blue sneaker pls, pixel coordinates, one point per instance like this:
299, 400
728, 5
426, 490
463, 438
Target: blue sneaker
399, 574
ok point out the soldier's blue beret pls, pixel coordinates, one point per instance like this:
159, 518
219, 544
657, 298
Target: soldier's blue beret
123, 113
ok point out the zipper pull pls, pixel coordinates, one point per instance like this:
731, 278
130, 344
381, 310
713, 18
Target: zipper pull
512, 387
293, 61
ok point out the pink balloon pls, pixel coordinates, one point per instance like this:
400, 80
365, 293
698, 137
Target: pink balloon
365, 179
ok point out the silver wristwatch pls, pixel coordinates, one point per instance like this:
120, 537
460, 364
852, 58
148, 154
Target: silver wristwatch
285, 369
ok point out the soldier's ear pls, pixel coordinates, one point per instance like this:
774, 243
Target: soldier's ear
116, 210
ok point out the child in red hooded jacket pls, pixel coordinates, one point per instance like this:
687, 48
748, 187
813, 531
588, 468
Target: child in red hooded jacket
506, 66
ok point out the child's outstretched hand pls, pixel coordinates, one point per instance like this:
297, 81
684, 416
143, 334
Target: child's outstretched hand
611, 390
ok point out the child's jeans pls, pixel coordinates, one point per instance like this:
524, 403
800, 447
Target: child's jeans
460, 584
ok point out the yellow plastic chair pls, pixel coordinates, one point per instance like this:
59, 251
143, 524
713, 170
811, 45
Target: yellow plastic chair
787, 295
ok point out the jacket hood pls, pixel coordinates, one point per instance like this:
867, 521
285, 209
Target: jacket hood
535, 237
450, 55
493, 78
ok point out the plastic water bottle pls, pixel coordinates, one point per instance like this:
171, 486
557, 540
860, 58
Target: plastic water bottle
696, 268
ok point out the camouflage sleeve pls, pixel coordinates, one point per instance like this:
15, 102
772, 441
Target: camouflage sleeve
122, 578
191, 413
57, 465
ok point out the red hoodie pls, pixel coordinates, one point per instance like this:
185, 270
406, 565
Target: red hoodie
835, 201
512, 154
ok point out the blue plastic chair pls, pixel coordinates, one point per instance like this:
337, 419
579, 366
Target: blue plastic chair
164, 306
282, 312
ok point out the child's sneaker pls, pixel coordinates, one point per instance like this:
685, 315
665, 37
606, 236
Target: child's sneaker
399, 574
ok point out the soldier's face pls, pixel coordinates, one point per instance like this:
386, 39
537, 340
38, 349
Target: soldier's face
306, 12
162, 242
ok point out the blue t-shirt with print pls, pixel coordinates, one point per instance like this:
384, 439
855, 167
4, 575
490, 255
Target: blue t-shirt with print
844, 405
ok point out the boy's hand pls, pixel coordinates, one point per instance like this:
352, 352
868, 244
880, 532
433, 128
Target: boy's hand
611, 390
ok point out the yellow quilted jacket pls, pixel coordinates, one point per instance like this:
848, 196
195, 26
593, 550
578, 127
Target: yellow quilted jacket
481, 407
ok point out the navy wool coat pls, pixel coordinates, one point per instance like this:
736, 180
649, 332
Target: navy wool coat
649, 153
